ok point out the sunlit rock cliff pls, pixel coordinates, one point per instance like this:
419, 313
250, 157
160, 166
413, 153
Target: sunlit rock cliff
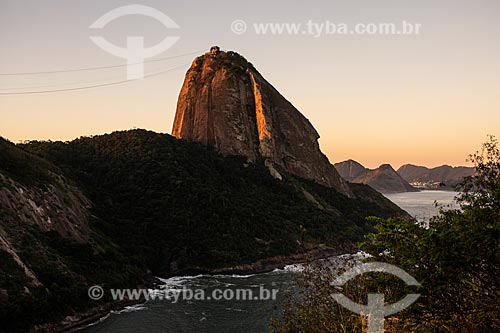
226, 103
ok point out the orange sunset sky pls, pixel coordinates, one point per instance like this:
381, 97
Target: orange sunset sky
426, 99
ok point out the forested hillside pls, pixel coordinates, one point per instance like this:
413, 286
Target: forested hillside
108, 209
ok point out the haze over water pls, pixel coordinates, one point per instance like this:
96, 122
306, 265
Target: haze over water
424, 204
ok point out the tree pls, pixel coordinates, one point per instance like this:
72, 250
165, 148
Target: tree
482, 190
456, 259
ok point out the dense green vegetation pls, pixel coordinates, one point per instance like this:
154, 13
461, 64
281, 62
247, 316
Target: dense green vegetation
456, 259
23, 166
164, 206
187, 206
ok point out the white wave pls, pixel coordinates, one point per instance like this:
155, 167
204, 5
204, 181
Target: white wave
131, 308
235, 310
100, 320
179, 280
293, 268
235, 276
358, 255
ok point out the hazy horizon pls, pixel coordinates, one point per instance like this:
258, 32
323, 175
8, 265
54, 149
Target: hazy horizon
428, 99
395, 167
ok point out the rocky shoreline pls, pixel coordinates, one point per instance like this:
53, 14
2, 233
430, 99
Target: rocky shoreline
93, 315
86, 318
277, 262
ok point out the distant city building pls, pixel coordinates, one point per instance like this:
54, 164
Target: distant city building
214, 50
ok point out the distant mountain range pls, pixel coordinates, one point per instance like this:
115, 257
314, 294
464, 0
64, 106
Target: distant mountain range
408, 178
384, 178
444, 176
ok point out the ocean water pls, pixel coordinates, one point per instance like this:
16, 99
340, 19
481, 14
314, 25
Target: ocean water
204, 315
424, 205
236, 316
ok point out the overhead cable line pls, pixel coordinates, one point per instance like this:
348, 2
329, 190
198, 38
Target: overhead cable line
91, 86
96, 68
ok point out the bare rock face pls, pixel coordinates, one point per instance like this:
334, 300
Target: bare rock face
36, 196
349, 169
56, 206
225, 103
